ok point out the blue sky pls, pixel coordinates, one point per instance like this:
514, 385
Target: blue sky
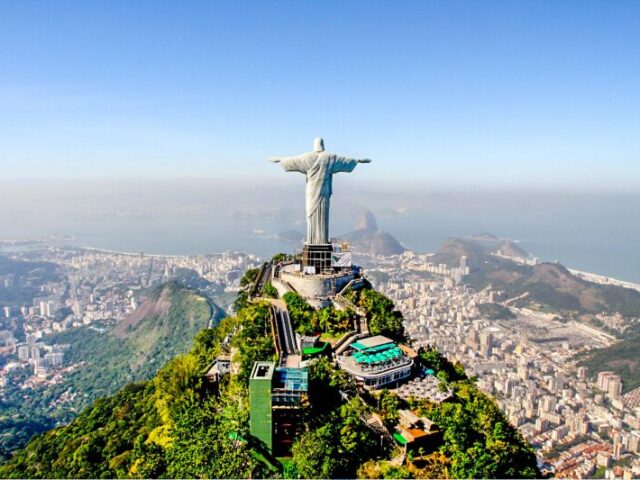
505, 93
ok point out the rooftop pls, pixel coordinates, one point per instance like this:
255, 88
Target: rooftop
374, 368
262, 371
371, 342
296, 379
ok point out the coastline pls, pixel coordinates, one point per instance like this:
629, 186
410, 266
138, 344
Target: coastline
603, 280
132, 254
588, 276
13, 246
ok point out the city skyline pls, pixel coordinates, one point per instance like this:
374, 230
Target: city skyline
504, 96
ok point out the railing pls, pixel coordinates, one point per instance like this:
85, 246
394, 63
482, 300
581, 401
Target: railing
352, 338
274, 330
348, 285
288, 331
346, 303
384, 366
374, 369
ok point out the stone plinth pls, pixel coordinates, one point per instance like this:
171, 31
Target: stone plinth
319, 290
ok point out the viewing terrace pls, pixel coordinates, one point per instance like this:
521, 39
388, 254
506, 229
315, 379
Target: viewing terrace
376, 361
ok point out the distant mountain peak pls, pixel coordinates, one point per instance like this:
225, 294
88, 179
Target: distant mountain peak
367, 221
368, 238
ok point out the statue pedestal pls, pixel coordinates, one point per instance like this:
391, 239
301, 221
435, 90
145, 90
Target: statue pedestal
318, 257
318, 289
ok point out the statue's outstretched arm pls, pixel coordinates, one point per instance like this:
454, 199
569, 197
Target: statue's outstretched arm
345, 164
292, 164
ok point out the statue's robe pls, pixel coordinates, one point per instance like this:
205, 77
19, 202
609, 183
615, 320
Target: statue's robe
319, 168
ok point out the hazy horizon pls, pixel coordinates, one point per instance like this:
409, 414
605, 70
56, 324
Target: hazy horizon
594, 232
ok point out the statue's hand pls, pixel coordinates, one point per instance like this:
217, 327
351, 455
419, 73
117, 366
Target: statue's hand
274, 160
364, 160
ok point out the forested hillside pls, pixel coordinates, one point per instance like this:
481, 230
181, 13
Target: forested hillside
177, 425
105, 359
622, 358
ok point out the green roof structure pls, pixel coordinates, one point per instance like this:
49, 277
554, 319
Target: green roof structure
400, 439
315, 350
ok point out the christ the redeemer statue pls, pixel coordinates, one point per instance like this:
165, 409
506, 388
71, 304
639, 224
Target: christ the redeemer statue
319, 167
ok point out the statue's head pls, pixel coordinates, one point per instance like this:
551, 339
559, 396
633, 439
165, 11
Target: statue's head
318, 144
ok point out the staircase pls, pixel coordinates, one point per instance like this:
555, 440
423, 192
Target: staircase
374, 422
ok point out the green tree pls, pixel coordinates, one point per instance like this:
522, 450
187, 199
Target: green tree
431, 358
301, 313
201, 446
269, 290
249, 277
177, 383
314, 454
253, 339
280, 257
477, 438
150, 460
382, 317
241, 301
357, 442
390, 404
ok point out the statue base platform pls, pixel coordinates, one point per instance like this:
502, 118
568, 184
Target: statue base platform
318, 289
317, 258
